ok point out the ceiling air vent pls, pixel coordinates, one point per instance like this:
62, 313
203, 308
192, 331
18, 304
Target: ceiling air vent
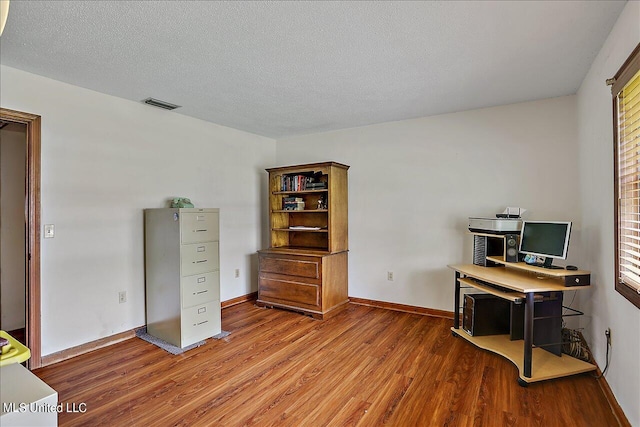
160, 104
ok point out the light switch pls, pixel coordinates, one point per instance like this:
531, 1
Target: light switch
49, 231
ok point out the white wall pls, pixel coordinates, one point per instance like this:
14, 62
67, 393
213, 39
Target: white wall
104, 160
414, 183
13, 157
606, 308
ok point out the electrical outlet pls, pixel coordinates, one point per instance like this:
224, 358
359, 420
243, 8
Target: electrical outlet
237, 274
49, 231
607, 333
390, 276
122, 297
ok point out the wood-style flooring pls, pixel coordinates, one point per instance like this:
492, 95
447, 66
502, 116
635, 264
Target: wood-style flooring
362, 367
19, 335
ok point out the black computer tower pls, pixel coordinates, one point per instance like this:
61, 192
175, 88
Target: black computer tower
484, 246
485, 314
547, 329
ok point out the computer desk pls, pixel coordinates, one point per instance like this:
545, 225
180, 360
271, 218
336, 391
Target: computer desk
524, 284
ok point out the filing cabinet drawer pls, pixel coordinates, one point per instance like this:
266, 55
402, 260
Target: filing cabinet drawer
200, 322
196, 227
198, 258
200, 289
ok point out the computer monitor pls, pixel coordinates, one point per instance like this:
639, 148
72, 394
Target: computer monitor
549, 239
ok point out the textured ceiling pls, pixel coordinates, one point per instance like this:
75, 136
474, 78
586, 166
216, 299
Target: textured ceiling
286, 68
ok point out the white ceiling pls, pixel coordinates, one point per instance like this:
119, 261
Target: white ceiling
286, 68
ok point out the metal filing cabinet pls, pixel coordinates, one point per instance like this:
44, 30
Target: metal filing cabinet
182, 266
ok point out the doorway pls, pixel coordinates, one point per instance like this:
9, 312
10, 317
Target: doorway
31, 123
13, 229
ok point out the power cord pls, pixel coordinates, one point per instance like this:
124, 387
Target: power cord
564, 323
607, 333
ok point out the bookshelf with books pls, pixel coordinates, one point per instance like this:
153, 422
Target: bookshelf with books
305, 266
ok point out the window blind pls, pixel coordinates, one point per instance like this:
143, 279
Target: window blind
628, 129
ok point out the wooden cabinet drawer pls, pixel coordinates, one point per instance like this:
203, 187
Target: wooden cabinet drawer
200, 322
200, 289
310, 267
198, 258
198, 227
289, 291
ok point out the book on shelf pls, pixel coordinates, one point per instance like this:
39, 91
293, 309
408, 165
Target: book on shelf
304, 227
316, 185
300, 181
293, 206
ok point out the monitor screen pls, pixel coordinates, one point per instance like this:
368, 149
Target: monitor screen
545, 238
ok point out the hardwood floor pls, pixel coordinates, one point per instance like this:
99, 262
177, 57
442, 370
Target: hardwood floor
19, 335
363, 366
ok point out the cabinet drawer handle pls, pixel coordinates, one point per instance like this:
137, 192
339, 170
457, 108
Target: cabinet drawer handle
201, 292
200, 230
200, 323
199, 262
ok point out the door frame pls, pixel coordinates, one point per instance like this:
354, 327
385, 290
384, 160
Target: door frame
33, 324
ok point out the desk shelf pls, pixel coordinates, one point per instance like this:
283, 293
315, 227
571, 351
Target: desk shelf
516, 297
545, 366
534, 269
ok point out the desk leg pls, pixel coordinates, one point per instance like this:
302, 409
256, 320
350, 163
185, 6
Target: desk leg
456, 303
528, 333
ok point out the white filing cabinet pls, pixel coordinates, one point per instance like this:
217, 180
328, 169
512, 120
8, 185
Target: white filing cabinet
182, 266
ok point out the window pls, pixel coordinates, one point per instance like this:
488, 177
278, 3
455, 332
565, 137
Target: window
626, 121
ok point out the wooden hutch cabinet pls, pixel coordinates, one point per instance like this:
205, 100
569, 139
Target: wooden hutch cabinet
305, 267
